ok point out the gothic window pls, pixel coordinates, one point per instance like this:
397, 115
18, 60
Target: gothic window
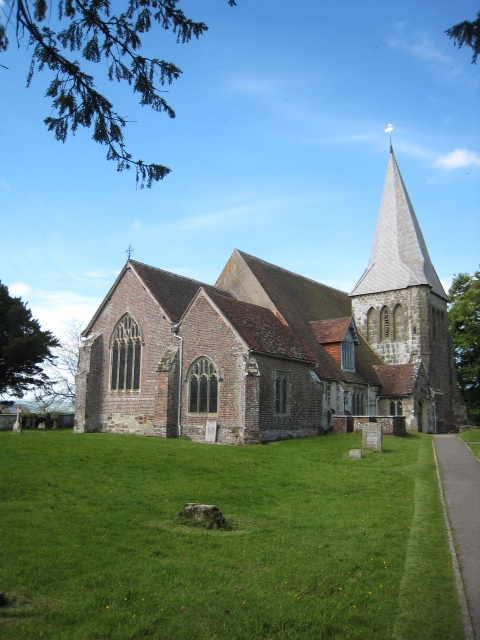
384, 322
371, 333
348, 352
399, 408
203, 387
399, 322
125, 355
396, 408
283, 382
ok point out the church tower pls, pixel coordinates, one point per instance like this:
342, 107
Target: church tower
400, 306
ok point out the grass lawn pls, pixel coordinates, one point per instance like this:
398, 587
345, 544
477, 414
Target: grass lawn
320, 546
472, 435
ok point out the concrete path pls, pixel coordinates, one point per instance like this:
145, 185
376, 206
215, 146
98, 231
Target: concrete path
460, 474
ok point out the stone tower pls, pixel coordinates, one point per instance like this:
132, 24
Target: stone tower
400, 306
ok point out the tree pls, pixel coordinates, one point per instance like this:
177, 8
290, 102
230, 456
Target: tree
23, 347
97, 34
467, 33
58, 394
464, 326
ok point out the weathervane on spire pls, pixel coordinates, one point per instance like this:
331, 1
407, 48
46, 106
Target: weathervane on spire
389, 130
129, 251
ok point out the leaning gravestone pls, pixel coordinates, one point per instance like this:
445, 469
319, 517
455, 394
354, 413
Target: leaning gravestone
372, 436
205, 515
41, 425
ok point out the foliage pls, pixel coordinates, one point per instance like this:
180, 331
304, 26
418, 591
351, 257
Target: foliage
467, 33
464, 327
98, 34
23, 347
59, 392
320, 546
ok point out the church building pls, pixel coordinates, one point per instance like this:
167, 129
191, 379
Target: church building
267, 354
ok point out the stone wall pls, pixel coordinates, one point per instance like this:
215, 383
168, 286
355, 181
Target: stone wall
391, 425
7, 420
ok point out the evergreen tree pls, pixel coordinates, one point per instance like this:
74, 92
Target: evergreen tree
23, 347
467, 33
464, 326
98, 33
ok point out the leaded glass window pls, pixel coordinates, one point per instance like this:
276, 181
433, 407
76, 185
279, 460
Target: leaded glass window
125, 355
203, 387
283, 382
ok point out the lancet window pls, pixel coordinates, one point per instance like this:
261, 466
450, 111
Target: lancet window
283, 381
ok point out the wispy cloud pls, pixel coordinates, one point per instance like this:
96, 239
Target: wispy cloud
419, 44
3, 183
458, 158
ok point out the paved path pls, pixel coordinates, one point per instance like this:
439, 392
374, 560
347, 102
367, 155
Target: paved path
460, 472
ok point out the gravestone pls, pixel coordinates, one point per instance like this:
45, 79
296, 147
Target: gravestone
355, 453
211, 431
372, 436
41, 425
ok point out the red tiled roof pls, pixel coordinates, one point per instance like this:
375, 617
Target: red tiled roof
397, 379
327, 331
301, 301
261, 329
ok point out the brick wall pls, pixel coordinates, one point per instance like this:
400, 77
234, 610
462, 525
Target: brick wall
97, 407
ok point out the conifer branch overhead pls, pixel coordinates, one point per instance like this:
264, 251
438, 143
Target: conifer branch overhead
99, 33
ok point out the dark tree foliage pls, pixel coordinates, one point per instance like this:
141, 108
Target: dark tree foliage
464, 327
23, 347
99, 31
467, 33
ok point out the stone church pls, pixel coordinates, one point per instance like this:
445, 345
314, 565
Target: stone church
267, 354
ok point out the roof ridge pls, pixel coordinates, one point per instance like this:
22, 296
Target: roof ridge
297, 275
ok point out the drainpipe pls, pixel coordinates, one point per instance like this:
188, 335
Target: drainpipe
376, 405
175, 328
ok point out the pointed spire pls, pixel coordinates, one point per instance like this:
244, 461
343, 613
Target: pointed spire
399, 256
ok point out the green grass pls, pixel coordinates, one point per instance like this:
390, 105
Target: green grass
320, 546
472, 435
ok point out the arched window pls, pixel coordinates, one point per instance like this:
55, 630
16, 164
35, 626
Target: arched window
399, 322
203, 387
371, 332
125, 355
399, 408
384, 323
348, 352
392, 407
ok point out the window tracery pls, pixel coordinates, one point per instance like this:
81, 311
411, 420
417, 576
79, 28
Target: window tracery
203, 387
125, 355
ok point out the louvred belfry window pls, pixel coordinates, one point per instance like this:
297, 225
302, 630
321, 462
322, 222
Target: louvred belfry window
125, 355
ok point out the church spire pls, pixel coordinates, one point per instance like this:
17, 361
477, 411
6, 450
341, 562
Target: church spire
399, 256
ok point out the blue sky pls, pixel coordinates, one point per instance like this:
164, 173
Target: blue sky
278, 149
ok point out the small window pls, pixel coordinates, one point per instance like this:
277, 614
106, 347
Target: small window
283, 382
203, 387
392, 407
348, 352
125, 355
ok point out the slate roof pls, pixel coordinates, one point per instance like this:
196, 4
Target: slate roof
397, 379
300, 301
327, 331
262, 330
399, 256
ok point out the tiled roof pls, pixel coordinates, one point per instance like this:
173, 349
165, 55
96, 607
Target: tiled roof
396, 380
327, 331
173, 292
261, 330
399, 256
301, 301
